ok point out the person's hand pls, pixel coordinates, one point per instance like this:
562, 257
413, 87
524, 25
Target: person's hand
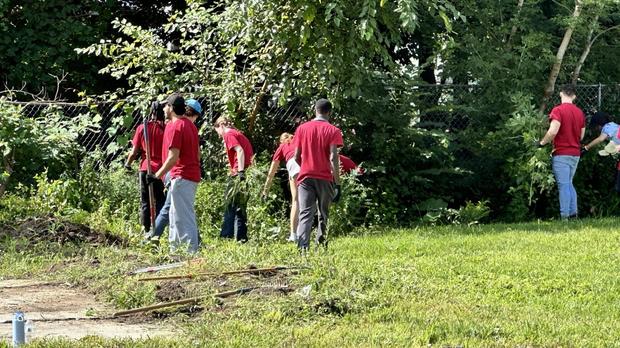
127, 167
537, 144
241, 175
338, 191
584, 149
151, 178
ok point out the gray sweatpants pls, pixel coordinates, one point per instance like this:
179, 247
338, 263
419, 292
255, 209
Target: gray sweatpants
313, 193
183, 227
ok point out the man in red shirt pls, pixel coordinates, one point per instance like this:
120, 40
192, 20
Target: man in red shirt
239, 151
566, 129
316, 149
155, 132
347, 166
182, 162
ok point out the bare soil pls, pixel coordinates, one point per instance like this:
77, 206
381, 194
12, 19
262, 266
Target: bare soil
58, 310
49, 229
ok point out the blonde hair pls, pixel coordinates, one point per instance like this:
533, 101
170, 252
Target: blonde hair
223, 120
285, 138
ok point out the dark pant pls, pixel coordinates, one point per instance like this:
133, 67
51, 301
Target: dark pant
160, 198
312, 194
235, 216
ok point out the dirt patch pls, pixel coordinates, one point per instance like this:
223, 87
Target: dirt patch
170, 291
49, 229
59, 310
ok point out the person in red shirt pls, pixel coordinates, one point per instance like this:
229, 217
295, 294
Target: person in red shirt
155, 132
566, 130
239, 152
286, 153
316, 145
347, 166
180, 152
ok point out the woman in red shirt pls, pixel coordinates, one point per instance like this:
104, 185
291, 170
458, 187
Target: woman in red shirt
286, 152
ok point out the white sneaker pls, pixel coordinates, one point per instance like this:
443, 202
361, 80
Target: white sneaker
292, 238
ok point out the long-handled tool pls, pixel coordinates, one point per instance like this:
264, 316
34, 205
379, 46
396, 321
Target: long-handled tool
207, 274
198, 299
149, 171
167, 266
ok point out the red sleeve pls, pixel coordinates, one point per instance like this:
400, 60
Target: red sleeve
337, 138
279, 155
230, 140
177, 138
555, 115
137, 137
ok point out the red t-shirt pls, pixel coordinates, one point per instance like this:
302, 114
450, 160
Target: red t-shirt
232, 138
346, 164
568, 140
314, 139
284, 152
156, 136
182, 134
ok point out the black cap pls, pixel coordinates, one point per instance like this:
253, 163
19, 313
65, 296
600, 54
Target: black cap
177, 103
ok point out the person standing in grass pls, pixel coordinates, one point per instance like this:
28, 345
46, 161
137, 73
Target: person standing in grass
286, 152
193, 110
155, 132
566, 130
239, 151
182, 162
316, 145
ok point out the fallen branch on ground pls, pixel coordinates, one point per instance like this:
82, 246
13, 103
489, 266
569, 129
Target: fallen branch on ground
213, 274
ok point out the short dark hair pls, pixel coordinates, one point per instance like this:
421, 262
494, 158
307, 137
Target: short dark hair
600, 119
177, 103
323, 106
157, 111
568, 90
189, 111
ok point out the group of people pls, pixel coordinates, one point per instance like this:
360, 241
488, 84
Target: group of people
168, 146
567, 126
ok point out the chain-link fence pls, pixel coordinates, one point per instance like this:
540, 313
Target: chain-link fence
450, 108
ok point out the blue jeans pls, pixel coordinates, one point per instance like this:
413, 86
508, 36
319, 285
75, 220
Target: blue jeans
183, 226
564, 168
163, 218
235, 215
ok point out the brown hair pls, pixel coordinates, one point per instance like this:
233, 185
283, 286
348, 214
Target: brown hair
223, 120
285, 138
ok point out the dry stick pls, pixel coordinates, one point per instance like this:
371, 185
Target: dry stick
193, 300
241, 271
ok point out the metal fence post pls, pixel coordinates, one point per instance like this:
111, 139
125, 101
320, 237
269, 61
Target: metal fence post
600, 96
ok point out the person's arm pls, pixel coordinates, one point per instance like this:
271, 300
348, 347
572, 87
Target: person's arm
173, 157
240, 158
596, 141
554, 128
132, 156
583, 133
298, 156
335, 159
272, 172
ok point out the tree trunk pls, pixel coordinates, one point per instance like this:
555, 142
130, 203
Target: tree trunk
259, 99
513, 31
555, 70
585, 52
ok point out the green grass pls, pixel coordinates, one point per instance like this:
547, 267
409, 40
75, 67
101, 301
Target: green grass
536, 284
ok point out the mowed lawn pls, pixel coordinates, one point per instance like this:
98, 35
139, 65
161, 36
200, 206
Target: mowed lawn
536, 284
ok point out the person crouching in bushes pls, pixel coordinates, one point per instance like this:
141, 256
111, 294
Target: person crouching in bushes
286, 152
155, 133
239, 151
601, 122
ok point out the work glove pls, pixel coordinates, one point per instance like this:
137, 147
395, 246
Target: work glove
337, 190
537, 144
241, 175
583, 150
151, 178
127, 167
